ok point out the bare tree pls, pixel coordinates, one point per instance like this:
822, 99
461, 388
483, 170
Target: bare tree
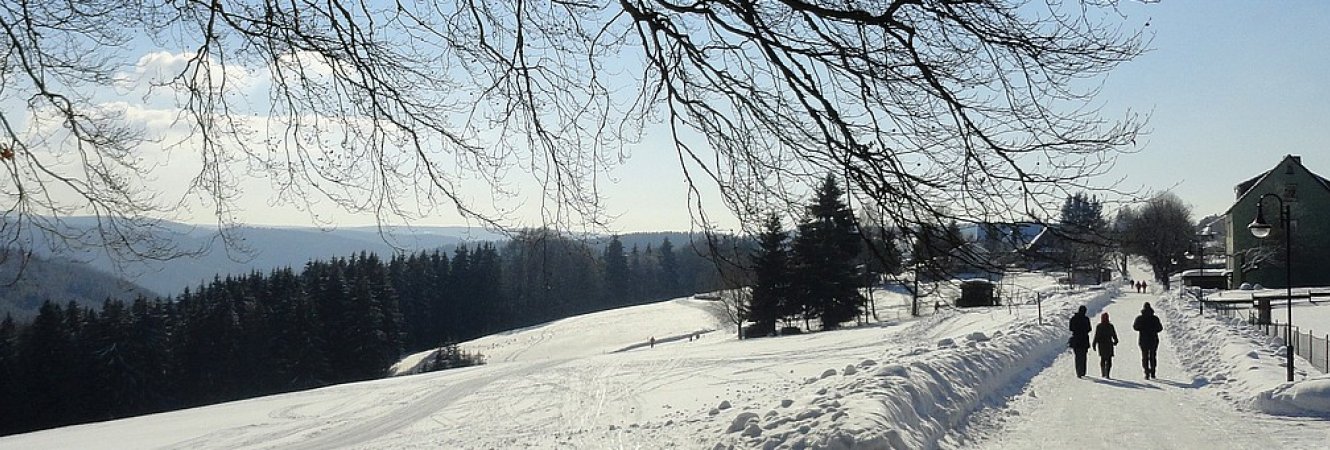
1162, 232
938, 110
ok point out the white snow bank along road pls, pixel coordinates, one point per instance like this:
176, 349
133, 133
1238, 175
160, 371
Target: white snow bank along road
1244, 364
911, 399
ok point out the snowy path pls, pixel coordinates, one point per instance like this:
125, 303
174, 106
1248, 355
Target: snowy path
1057, 410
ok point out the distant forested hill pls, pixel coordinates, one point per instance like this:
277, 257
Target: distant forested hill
265, 248
59, 280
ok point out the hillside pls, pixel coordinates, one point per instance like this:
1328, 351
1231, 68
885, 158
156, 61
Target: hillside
263, 249
59, 280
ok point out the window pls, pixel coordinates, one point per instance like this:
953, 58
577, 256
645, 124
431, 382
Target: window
1290, 192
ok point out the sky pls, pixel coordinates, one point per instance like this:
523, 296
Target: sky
1231, 87
1228, 87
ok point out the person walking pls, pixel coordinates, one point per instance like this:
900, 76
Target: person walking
1148, 326
1105, 337
1080, 339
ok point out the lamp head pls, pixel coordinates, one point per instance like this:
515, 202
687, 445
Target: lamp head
1259, 227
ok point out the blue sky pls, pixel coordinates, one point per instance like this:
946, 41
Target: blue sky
1231, 87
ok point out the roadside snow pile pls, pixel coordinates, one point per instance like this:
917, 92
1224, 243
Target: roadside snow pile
1309, 397
1244, 364
912, 398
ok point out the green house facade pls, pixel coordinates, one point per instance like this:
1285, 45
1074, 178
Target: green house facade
1263, 261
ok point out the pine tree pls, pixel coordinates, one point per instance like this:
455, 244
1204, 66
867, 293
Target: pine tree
825, 250
149, 353
489, 291
12, 408
297, 349
669, 270
636, 272
616, 273
771, 286
47, 351
1085, 231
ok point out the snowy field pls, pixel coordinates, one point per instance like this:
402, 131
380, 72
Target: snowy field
953, 378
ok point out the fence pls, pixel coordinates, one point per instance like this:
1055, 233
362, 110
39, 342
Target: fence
1307, 345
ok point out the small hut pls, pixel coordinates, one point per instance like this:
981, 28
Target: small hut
977, 293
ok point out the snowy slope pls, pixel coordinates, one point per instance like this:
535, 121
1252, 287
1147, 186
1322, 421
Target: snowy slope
589, 382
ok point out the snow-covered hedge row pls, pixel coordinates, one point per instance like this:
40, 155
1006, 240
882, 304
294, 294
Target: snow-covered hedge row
1246, 365
912, 400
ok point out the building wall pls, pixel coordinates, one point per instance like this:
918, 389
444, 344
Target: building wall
1310, 210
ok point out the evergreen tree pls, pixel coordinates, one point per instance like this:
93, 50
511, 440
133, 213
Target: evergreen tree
47, 352
771, 286
826, 249
1085, 231
461, 283
669, 270
438, 300
297, 348
488, 270
12, 408
207, 345
1082, 213
149, 355
616, 273
115, 366
636, 273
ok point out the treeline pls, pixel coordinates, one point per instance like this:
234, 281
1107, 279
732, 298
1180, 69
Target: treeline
336, 321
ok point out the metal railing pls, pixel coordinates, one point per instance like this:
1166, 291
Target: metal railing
1316, 349
1307, 345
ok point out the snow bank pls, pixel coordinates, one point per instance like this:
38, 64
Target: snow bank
912, 399
1310, 397
1244, 364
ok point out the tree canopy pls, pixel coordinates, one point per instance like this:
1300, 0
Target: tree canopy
938, 110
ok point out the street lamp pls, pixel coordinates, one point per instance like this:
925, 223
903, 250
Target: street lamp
1202, 237
1261, 229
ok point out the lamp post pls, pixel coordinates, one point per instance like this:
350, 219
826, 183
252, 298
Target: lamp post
1203, 237
1261, 229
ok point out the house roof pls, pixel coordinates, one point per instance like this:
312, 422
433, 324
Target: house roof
1246, 187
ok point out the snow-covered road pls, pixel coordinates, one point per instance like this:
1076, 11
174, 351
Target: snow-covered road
1057, 410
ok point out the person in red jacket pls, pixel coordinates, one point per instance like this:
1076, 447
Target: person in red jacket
1105, 337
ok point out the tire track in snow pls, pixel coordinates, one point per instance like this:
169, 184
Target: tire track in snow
362, 430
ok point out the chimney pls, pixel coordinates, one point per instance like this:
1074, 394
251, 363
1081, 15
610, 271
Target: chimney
1296, 158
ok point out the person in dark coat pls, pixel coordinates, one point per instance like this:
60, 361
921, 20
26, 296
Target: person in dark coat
1105, 337
1080, 339
1147, 326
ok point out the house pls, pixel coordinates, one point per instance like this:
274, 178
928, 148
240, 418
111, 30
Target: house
1262, 261
1082, 258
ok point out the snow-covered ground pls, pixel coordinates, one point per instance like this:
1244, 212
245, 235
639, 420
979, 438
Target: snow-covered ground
954, 378
1311, 315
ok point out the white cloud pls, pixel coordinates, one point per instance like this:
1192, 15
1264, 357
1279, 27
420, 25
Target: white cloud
164, 68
